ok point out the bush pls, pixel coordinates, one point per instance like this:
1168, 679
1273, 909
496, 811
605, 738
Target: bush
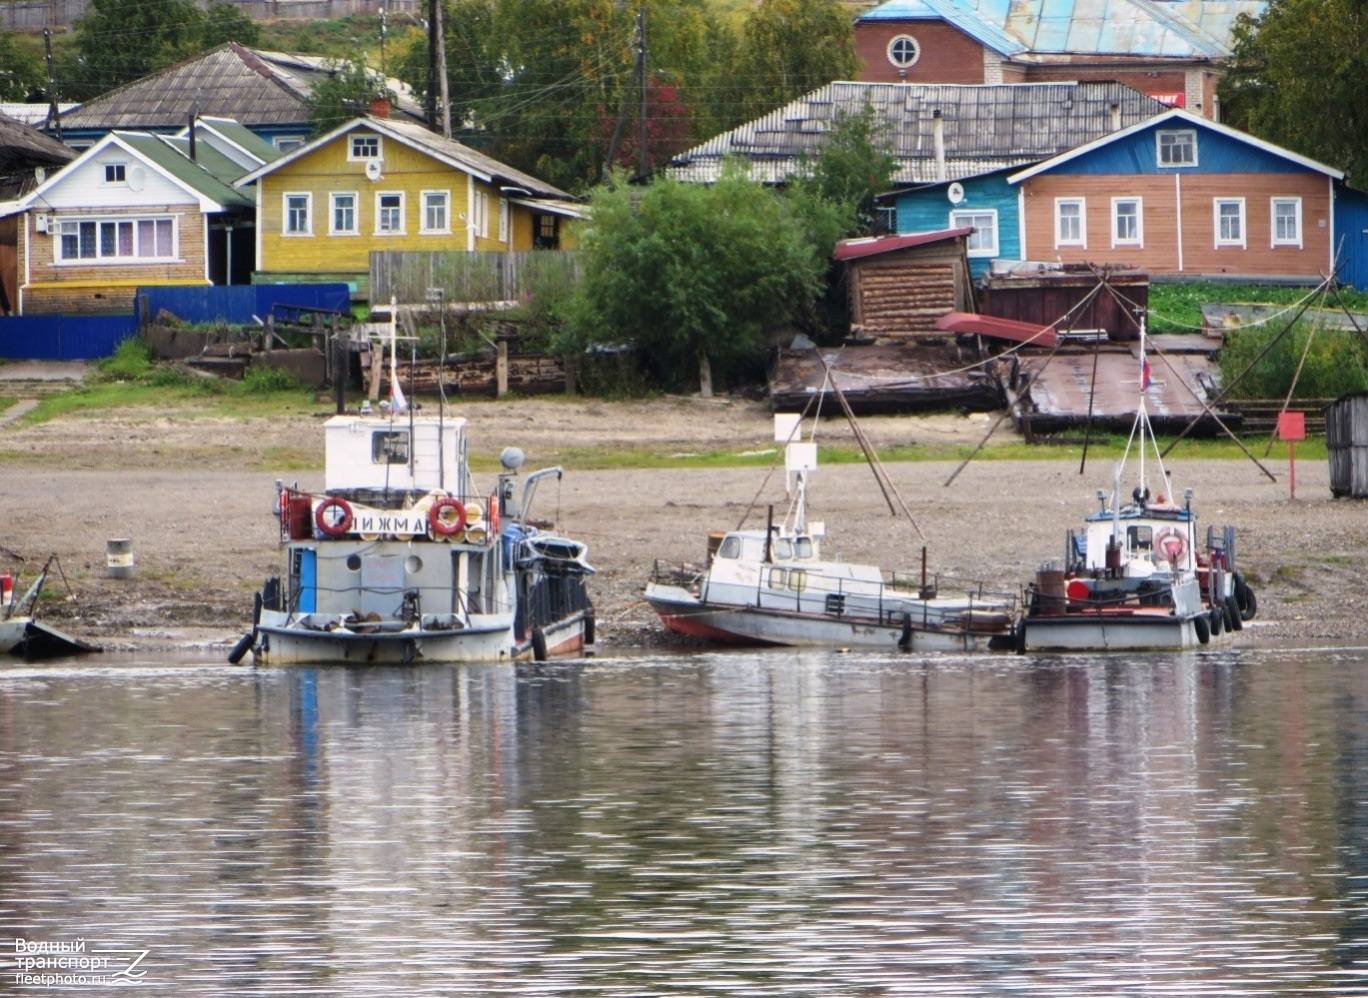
1334, 366
132, 361
261, 380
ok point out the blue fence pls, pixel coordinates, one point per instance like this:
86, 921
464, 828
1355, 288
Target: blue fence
238, 304
63, 337
90, 337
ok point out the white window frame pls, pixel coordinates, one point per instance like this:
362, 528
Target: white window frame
289, 143
1139, 238
116, 174
1216, 204
99, 259
356, 139
1159, 147
285, 229
504, 220
379, 213
1273, 204
1082, 238
333, 228
444, 229
964, 217
479, 219
900, 43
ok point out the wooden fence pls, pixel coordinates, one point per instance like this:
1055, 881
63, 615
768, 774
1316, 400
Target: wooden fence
33, 15
1260, 416
470, 278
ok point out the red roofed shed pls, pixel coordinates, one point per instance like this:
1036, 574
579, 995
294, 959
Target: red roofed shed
900, 285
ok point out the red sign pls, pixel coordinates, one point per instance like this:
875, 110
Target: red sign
1292, 426
1172, 100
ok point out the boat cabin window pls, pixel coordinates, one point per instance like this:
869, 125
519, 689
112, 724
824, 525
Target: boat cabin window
1140, 538
788, 548
778, 578
783, 548
731, 547
802, 547
390, 447
797, 580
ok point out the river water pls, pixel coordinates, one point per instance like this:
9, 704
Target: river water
779, 823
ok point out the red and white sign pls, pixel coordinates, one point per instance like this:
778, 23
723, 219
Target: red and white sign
1172, 100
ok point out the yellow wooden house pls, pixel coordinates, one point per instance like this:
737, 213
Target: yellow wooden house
380, 184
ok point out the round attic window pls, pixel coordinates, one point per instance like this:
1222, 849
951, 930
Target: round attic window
903, 51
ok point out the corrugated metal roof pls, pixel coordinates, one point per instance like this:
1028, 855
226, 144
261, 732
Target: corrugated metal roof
1186, 29
24, 147
854, 249
985, 128
231, 81
158, 150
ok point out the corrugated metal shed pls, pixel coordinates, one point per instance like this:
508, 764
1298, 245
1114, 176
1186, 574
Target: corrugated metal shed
983, 128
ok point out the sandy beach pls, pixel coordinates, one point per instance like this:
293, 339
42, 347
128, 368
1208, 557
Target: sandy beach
204, 537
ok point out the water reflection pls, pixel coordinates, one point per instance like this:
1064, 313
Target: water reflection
771, 824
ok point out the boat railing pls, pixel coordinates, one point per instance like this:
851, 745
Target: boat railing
888, 602
1043, 603
683, 574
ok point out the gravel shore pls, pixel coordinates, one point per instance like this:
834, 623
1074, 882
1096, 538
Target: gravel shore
204, 537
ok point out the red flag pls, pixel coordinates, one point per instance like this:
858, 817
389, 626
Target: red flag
1144, 373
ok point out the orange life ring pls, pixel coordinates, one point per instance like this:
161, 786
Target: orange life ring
338, 528
442, 521
1171, 545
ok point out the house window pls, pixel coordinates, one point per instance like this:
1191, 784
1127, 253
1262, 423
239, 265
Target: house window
545, 232
503, 220
1070, 222
117, 239
1287, 228
1127, 222
363, 147
983, 241
903, 51
116, 173
344, 215
1230, 221
479, 220
298, 209
436, 211
389, 213
1176, 148
288, 143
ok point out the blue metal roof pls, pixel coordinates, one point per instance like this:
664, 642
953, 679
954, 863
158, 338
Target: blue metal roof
1200, 29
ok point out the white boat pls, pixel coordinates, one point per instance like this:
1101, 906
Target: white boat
22, 635
1138, 576
773, 587
401, 559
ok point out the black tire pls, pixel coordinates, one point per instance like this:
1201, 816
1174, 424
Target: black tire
589, 626
1245, 599
1019, 638
539, 652
1217, 621
1230, 615
240, 649
1202, 626
1234, 619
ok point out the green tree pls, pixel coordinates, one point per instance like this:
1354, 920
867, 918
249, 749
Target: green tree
345, 94
855, 164
20, 72
790, 48
693, 275
225, 22
119, 41
1299, 77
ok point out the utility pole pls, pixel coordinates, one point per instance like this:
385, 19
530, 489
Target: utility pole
434, 27
444, 86
639, 73
384, 75
54, 120
641, 64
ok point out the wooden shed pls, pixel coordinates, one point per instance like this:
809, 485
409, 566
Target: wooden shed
900, 285
1346, 441
1044, 296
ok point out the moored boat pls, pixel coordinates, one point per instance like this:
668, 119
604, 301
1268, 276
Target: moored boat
23, 635
771, 586
401, 559
1138, 576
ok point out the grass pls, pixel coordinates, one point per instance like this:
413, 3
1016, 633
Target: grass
1177, 308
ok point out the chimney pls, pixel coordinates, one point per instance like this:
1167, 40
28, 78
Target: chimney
192, 137
380, 107
1116, 116
938, 141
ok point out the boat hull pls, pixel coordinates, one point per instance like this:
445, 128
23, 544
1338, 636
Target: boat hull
31, 639
683, 613
283, 640
1104, 633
